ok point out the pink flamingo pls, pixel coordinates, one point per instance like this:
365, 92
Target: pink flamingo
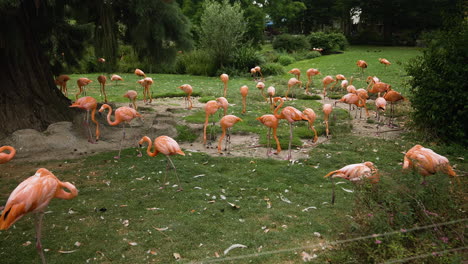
102, 79
223, 102
311, 116
272, 123
82, 82
327, 109
380, 104
310, 73
291, 83
132, 96
271, 93
244, 90
261, 87
62, 82
326, 81
4, 158
211, 107
226, 123
88, 103
116, 78
187, 88
224, 78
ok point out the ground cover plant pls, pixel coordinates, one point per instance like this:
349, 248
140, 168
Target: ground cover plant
275, 208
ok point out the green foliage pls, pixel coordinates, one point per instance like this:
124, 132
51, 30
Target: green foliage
438, 86
221, 30
329, 42
242, 61
255, 17
273, 69
285, 60
198, 62
185, 134
290, 43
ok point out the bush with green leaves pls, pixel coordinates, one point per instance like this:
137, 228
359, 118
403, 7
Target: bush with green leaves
285, 60
291, 43
272, 69
197, 62
329, 42
438, 86
243, 60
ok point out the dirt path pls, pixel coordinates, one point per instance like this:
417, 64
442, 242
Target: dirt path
67, 140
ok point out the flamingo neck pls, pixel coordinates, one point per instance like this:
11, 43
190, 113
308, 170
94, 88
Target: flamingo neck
66, 195
150, 144
275, 113
10, 149
115, 122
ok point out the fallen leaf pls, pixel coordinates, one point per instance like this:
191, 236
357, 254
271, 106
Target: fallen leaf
125, 223
152, 252
317, 234
77, 244
153, 208
200, 175
347, 190
66, 252
307, 209
233, 247
306, 257
27, 243
177, 256
233, 205
162, 228
132, 243
216, 254
123, 205
284, 199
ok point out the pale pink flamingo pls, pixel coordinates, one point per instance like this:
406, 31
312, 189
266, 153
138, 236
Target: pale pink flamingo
311, 116
291, 83
187, 88
244, 90
88, 103
224, 78
310, 73
226, 123
271, 93
327, 80
223, 102
132, 96
272, 123
116, 78
327, 109
140, 73
210, 109
261, 87
380, 104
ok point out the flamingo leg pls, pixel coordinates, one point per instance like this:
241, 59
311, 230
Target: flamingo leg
90, 137
278, 145
165, 174
104, 92
175, 171
268, 140
39, 217
120, 145
290, 141
228, 141
271, 103
326, 127
138, 145
333, 191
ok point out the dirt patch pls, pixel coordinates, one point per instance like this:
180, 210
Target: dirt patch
68, 140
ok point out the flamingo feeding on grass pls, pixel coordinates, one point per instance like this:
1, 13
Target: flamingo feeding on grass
259, 71
116, 78
296, 72
327, 80
310, 73
311, 116
354, 173
380, 104
338, 77
223, 102
272, 123
327, 109
271, 92
291, 83
244, 90
102, 79
211, 107
187, 88
132, 96
82, 82
261, 87
362, 65
88, 103
168, 147
353, 99
62, 82
225, 79
291, 115
140, 73
147, 82
33, 196
226, 123
123, 115
384, 62
426, 162
4, 157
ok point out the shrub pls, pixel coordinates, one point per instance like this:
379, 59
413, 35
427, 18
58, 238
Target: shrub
243, 60
272, 69
438, 86
285, 60
199, 62
329, 42
305, 55
290, 43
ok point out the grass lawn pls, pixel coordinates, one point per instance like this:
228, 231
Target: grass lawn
121, 215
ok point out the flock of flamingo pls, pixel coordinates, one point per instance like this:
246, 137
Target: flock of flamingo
34, 194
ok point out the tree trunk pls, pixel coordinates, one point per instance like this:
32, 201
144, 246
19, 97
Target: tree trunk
28, 95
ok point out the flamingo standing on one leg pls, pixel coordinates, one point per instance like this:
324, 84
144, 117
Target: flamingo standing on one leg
226, 123
291, 83
140, 73
62, 82
327, 109
33, 196
123, 115
261, 87
82, 82
244, 90
132, 96
88, 103
223, 102
291, 114
354, 173
167, 146
210, 109
426, 162
102, 81
225, 78
187, 88
326, 81
116, 78
311, 116
4, 158
310, 73
272, 123
271, 93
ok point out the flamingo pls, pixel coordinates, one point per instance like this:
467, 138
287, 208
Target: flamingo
253, 72
147, 82
311, 116
33, 196
4, 158
101, 60
327, 109
224, 78
259, 71
102, 80
116, 78
344, 84
426, 162
223, 102
326, 81
226, 123
362, 65
354, 173
384, 62
187, 88
62, 82
371, 81
380, 104
338, 77
123, 115
132, 96
271, 92
140, 73
296, 72
261, 86
393, 97
353, 99
82, 82
244, 90
272, 123
167, 146
362, 93
310, 73
210, 108
291, 114
291, 83
379, 87
88, 103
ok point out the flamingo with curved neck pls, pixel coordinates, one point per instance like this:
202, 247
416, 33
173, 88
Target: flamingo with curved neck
4, 158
